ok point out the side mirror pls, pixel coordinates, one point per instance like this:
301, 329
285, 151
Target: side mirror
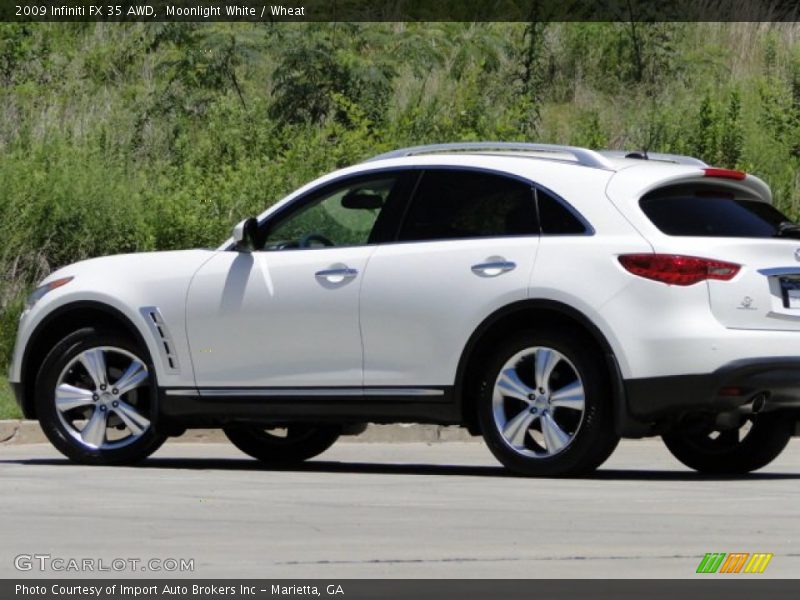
244, 235
362, 200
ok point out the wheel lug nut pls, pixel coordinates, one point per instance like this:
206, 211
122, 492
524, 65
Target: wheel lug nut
94, 396
103, 387
115, 404
103, 408
115, 391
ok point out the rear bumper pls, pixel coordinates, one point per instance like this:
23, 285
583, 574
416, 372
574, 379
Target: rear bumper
732, 385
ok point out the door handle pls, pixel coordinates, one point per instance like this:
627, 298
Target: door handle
336, 274
493, 267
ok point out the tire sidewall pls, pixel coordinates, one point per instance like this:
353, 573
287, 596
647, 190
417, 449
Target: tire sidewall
595, 439
252, 440
54, 429
770, 434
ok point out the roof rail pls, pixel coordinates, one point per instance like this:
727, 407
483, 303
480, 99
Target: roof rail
583, 156
673, 158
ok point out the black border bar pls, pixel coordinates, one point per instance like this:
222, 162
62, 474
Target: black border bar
708, 587
273, 11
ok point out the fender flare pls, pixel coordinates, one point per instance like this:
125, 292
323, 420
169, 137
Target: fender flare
40, 331
623, 423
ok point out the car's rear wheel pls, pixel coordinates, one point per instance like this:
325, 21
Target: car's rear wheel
545, 405
753, 445
96, 398
279, 446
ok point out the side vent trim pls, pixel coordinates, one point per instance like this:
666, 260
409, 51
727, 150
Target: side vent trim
152, 315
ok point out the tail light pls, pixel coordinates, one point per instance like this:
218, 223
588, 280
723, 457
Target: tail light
724, 173
674, 269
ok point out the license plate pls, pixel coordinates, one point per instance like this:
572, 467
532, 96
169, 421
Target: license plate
791, 292
793, 298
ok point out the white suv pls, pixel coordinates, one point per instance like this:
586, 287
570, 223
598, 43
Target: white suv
549, 298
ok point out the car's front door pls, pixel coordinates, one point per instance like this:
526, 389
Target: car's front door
286, 315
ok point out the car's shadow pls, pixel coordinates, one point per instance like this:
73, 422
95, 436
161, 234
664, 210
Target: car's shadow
322, 466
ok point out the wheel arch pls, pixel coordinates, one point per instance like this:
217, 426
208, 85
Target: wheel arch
58, 324
530, 314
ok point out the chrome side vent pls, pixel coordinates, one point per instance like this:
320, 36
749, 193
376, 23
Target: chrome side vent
161, 333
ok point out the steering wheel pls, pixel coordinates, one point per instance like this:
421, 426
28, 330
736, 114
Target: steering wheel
288, 245
305, 241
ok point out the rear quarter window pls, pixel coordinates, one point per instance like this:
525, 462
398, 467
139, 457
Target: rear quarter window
556, 218
710, 212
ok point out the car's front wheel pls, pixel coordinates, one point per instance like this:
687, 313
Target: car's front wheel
282, 446
545, 405
96, 397
754, 444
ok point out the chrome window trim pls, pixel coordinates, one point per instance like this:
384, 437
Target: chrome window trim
305, 392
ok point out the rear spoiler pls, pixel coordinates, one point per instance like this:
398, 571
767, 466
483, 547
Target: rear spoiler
635, 182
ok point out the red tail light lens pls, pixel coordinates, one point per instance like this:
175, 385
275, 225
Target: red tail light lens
673, 269
724, 173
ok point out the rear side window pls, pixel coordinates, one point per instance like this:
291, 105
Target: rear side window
456, 204
557, 219
706, 212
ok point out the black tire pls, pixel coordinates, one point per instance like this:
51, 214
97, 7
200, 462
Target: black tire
728, 452
299, 443
57, 425
593, 437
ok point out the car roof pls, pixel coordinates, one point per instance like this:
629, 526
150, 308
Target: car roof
633, 172
611, 160
613, 163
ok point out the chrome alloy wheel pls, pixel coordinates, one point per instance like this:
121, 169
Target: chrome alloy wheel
102, 398
538, 402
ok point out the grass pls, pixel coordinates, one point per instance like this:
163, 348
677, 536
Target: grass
8, 406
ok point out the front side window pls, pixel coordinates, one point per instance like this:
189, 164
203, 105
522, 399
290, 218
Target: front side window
457, 204
344, 216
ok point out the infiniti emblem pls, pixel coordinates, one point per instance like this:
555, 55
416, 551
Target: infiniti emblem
746, 304
797, 254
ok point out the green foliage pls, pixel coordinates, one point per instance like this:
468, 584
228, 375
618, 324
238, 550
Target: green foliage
129, 137
314, 69
732, 138
589, 132
718, 136
14, 51
706, 132
8, 407
8, 328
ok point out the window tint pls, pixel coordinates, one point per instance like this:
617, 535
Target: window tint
345, 216
556, 218
711, 213
453, 204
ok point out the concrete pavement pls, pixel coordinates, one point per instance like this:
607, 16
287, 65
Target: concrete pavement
395, 510
28, 432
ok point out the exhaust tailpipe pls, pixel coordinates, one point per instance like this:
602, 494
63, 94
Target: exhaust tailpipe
759, 402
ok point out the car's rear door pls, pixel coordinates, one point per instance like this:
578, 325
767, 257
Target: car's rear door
465, 248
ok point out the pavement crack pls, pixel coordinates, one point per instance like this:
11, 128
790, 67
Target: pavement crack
476, 559
9, 437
